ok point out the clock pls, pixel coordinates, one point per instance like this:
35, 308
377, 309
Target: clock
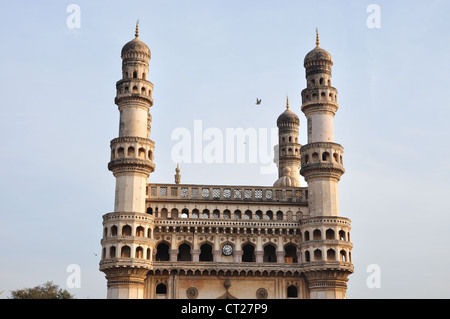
227, 249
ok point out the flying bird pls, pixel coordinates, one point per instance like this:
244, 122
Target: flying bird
258, 101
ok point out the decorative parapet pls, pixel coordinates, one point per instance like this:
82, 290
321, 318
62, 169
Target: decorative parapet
226, 193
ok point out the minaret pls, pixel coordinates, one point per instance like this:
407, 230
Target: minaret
177, 174
288, 149
131, 164
322, 168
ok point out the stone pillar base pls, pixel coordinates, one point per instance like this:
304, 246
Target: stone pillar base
125, 283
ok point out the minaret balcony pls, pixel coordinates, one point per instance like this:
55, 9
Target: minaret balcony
322, 157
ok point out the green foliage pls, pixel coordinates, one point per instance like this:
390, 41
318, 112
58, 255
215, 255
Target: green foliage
45, 291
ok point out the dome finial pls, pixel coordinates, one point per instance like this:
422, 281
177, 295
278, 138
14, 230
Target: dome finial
287, 102
136, 33
317, 37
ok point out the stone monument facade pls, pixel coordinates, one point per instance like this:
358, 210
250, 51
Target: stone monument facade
182, 241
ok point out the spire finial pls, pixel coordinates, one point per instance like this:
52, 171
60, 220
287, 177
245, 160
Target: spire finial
287, 102
317, 37
136, 34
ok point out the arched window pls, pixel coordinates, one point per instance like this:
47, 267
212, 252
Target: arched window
150, 155
125, 252
237, 214
162, 213
143, 90
226, 214
269, 254
343, 255
317, 235
306, 235
126, 230
306, 159
184, 253
135, 90
248, 253
331, 254
140, 231
139, 252
148, 253
321, 81
248, 214
205, 213
134, 74
162, 252
131, 151
325, 156
269, 215
185, 213
279, 215
341, 235
174, 213
317, 254
112, 252
290, 254
336, 157
292, 292
141, 152
195, 213
143, 76
329, 234
315, 157
114, 230
307, 256
161, 289
206, 253
120, 152
216, 213
258, 215
150, 210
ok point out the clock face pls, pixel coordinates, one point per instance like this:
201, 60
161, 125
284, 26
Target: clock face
227, 250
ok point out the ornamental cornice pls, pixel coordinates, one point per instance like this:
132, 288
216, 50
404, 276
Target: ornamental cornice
131, 98
324, 220
128, 216
332, 145
319, 106
131, 164
132, 139
131, 80
320, 170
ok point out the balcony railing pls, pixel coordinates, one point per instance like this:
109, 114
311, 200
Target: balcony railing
226, 193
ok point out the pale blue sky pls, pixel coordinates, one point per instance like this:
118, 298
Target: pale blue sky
210, 60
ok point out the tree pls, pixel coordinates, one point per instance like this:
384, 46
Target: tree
46, 291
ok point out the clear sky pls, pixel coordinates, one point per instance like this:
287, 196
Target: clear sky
210, 61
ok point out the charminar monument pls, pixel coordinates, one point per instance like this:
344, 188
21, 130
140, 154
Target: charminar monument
188, 241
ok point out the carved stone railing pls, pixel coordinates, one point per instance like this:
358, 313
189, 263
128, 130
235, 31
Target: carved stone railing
226, 193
